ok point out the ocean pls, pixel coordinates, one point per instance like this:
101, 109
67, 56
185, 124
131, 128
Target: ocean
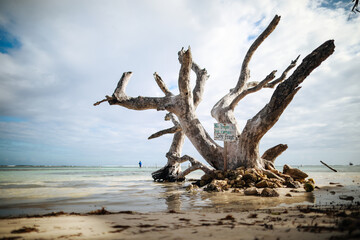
29, 190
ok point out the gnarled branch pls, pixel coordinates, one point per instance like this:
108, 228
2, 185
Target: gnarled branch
184, 77
119, 97
201, 78
174, 129
253, 89
223, 110
195, 165
276, 81
283, 75
272, 153
166, 131
284, 93
162, 85
245, 72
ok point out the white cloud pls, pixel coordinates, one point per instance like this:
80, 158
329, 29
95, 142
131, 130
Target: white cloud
73, 53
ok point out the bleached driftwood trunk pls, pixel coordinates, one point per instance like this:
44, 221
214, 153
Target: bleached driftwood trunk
245, 150
172, 172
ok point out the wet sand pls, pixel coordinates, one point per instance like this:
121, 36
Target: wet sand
336, 218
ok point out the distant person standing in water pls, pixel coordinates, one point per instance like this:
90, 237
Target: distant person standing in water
140, 163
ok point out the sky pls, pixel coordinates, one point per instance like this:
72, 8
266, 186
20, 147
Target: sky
57, 58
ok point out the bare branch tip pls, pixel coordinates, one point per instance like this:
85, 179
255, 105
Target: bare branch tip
295, 60
99, 102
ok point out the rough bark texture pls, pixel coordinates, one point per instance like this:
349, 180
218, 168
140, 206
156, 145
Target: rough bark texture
172, 172
272, 153
245, 150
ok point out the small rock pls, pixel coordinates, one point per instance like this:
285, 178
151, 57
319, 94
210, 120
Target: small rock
239, 184
231, 174
288, 195
311, 180
290, 183
274, 185
262, 184
249, 184
236, 190
249, 177
240, 171
294, 172
269, 192
217, 186
219, 175
251, 192
309, 186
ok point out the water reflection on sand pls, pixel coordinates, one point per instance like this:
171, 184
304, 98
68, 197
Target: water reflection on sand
178, 199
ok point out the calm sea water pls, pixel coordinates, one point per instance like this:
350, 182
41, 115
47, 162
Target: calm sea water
39, 190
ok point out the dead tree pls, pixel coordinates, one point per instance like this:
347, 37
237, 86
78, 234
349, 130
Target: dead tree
245, 150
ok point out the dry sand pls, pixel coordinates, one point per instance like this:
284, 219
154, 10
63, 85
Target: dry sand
297, 222
294, 223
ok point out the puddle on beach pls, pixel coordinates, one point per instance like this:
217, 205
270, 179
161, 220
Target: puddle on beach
178, 199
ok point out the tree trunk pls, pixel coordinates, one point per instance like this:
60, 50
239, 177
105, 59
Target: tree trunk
245, 150
171, 171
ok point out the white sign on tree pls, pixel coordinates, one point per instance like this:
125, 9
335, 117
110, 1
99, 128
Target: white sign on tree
224, 132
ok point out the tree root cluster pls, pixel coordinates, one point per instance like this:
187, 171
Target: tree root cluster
252, 179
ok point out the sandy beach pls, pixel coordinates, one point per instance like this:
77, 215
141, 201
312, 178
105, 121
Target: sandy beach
293, 223
338, 220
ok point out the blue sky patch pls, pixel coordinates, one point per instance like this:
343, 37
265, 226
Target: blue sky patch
333, 4
7, 41
251, 37
257, 23
11, 119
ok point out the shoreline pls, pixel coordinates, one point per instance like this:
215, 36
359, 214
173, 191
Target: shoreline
301, 222
331, 211
200, 200
328, 220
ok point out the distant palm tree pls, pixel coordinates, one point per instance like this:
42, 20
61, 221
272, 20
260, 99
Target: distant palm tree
356, 4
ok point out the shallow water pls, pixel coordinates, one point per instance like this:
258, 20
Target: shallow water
39, 190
